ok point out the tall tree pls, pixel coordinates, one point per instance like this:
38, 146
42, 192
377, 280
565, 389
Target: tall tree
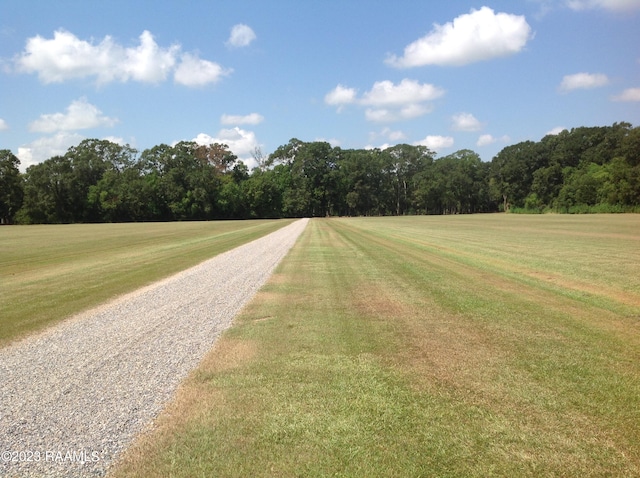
49, 195
360, 181
402, 163
11, 186
512, 172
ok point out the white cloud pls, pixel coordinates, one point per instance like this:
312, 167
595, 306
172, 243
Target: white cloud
394, 135
583, 81
193, 71
436, 143
390, 102
80, 114
252, 118
466, 122
613, 5
66, 57
487, 139
630, 94
241, 142
147, 62
385, 93
555, 131
241, 35
475, 36
44, 148
3, 125
385, 115
340, 95
616, 6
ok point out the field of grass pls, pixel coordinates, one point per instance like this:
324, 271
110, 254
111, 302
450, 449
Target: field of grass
50, 272
496, 345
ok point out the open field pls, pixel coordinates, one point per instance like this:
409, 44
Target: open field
423, 346
50, 272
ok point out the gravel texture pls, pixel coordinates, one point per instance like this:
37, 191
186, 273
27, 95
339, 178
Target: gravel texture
75, 396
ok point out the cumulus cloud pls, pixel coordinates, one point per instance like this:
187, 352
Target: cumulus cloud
475, 36
387, 101
583, 81
466, 122
241, 142
385, 93
340, 95
487, 139
630, 94
66, 57
147, 62
80, 114
241, 35
3, 125
386, 115
193, 71
612, 5
436, 143
252, 118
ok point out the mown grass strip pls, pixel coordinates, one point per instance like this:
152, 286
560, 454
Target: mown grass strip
366, 355
50, 272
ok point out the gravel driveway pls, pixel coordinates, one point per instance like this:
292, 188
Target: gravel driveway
73, 397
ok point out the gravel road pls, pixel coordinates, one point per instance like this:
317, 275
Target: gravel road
75, 396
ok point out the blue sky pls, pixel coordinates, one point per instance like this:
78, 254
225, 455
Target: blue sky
450, 75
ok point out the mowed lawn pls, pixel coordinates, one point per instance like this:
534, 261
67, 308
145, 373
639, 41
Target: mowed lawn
488, 345
50, 272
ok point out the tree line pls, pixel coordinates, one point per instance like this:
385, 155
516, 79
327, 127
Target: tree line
586, 169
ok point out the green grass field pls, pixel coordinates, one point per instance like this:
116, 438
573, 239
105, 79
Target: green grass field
488, 345
50, 272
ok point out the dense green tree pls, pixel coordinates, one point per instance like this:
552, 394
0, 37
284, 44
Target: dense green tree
11, 186
582, 169
123, 196
361, 182
512, 171
402, 163
310, 192
49, 192
578, 168
90, 160
264, 191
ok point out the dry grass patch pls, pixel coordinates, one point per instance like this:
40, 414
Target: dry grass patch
228, 354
